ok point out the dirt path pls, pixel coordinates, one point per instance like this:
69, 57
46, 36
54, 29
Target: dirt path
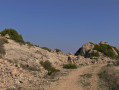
83, 78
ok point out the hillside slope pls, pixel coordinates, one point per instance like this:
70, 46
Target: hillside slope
25, 66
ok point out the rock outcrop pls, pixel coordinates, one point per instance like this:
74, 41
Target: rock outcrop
92, 49
85, 49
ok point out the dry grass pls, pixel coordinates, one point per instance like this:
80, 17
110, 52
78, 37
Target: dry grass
111, 77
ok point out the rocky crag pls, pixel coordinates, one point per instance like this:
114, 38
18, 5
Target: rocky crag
96, 50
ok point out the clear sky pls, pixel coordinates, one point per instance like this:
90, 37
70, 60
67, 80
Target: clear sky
63, 24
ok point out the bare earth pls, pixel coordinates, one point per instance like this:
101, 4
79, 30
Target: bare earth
75, 81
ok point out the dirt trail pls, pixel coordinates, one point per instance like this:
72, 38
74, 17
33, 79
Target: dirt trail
73, 80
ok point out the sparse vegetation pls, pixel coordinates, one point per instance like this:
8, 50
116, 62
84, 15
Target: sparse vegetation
94, 54
88, 75
46, 48
70, 66
29, 43
110, 76
58, 50
13, 35
105, 49
47, 65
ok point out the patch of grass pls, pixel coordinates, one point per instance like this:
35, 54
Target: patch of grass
47, 65
86, 75
46, 48
110, 76
102, 85
70, 66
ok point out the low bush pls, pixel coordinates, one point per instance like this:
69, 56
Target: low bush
47, 65
94, 54
29, 43
70, 66
105, 49
46, 48
58, 50
13, 35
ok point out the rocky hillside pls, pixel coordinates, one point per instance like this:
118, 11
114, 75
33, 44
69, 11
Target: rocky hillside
95, 50
25, 66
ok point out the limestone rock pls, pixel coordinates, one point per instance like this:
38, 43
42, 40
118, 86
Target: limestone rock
85, 49
7, 36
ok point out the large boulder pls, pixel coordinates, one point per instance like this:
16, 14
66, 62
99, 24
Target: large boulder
85, 49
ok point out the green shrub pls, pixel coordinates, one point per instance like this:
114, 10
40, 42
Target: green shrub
58, 50
70, 66
13, 35
46, 48
47, 65
29, 43
94, 54
105, 49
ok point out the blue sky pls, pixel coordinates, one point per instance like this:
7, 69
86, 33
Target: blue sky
63, 24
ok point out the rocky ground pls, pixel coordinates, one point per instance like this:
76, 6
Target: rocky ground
83, 78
